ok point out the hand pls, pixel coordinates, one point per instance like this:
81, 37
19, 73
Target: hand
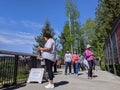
39, 57
41, 51
40, 48
92, 53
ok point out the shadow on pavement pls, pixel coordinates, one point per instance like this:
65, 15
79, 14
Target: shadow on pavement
14, 87
60, 83
95, 76
58, 73
80, 74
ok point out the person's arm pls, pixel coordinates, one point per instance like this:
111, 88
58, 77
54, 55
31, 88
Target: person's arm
72, 58
48, 46
44, 49
64, 59
88, 53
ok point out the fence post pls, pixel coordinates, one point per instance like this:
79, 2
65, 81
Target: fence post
33, 62
111, 44
15, 69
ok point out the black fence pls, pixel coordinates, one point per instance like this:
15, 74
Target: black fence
15, 67
112, 50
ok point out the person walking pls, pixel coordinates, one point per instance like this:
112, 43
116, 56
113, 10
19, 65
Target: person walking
75, 58
49, 55
67, 61
89, 57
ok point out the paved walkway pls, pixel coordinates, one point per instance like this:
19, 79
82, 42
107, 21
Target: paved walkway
102, 81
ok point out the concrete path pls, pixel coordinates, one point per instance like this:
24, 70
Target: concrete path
102, 81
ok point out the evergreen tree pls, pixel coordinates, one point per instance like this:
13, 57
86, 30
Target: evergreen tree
107, 12
39, 39
65, 38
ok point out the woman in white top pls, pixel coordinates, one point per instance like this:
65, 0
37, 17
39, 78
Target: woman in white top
49, 55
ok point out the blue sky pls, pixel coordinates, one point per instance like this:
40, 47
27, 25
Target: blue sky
21, 20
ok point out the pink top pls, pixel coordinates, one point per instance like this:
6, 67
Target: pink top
75, 58
89, 54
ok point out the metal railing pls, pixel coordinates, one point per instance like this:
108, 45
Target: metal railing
15, 67
112, 50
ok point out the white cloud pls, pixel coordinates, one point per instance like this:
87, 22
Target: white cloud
22, 41
24, 23
5, 40
14, 34
7, 21
25, 35
19, 34
21, 38
30, 24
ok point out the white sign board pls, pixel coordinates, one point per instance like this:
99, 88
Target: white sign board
36, 75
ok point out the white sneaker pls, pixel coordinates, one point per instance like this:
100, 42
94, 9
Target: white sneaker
50, 86
76, 74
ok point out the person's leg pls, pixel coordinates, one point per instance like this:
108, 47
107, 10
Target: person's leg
82, 67
70, 67
49, 65
90, 69
78, 66
55, 67
66, 67
93, 64
76, 69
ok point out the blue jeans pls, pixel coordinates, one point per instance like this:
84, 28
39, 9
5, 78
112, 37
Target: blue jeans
76, 68
67, 64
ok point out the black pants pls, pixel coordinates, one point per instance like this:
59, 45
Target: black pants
55, 66
90, 68
49, 65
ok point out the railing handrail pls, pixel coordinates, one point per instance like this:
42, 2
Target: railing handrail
15, 53
14, 68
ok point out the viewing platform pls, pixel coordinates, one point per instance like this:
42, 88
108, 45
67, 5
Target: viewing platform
102, 80
15, 69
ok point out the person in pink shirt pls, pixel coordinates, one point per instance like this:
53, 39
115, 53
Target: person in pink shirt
75, 58
89, 57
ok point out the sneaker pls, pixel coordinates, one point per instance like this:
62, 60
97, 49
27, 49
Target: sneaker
50, 86
89, 77
65, 73
76, 74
